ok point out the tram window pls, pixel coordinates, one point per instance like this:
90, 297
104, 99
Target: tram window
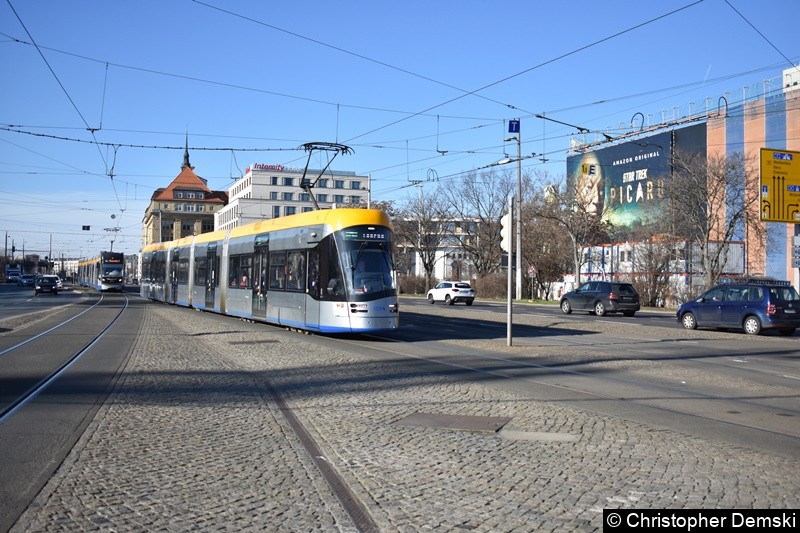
296, 271
233, 270
159, 267
200, 271
240, 271
246, 272
277, 270
183, 270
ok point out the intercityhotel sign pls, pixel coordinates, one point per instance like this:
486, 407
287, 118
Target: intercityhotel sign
264, 166
271, 168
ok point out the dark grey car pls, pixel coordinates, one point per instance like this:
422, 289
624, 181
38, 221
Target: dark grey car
46, 284
602, 297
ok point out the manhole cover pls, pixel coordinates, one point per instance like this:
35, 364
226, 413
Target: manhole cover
491, 424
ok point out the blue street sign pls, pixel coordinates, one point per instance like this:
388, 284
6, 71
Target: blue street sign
513, 126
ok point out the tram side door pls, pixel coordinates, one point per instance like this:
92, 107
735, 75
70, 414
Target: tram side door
260, 280
172, 294
212, 264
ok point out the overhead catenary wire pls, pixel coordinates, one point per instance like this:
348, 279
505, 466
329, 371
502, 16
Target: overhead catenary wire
789, 61
465, 92
58, 81
337, 129
597, 102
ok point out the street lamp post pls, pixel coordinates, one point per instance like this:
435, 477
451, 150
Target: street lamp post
518, 213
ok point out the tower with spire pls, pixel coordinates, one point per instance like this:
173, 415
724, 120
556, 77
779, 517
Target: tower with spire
185, 207
186, 155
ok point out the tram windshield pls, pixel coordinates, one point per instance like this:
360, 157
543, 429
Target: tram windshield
367, 264
112, 271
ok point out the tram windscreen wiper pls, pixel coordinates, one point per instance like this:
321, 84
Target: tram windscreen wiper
353, 263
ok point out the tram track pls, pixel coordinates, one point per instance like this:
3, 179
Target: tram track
631, 385
38, 360
58, 367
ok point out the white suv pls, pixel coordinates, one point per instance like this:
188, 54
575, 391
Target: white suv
451, 292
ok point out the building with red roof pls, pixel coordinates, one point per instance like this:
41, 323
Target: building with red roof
185, 207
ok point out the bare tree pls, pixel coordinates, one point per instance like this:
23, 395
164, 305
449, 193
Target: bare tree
478, 202
422, 226
652, 260
542, 249
712, 202
577, 218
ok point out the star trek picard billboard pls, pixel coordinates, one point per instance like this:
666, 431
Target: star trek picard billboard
624, 183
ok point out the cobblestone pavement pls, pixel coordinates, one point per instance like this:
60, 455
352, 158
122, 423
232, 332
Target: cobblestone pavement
192, 440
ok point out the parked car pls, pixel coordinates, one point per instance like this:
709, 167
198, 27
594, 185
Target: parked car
752, 305
46, 283
451, 292
26, 280
602, 297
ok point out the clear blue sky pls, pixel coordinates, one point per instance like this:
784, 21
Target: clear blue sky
416, 89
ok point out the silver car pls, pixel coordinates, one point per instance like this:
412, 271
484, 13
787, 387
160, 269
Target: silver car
26, 280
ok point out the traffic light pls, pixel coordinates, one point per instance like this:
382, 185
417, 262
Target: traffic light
505, 232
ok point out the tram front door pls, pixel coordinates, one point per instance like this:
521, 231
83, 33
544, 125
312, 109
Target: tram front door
312, 291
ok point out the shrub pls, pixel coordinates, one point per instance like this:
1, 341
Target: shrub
411, 285
491, 286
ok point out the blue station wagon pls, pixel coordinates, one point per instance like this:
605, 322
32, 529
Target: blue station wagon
752, 305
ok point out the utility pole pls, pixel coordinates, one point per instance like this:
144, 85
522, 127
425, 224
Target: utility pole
509, 312
514, 127
518, 217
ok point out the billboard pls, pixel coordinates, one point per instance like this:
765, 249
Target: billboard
780, 186
624, 183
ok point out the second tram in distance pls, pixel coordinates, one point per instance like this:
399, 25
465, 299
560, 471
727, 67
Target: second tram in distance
328, 271
104, 273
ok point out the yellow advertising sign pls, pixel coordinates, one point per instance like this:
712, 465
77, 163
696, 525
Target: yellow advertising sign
780, 186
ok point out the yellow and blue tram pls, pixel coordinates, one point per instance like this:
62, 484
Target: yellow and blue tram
105, 272
327, 271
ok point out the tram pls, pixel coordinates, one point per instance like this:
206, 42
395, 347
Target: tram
104, 273
326, 271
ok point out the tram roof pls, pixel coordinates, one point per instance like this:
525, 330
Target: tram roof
98, 257
156, 246
335, 218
